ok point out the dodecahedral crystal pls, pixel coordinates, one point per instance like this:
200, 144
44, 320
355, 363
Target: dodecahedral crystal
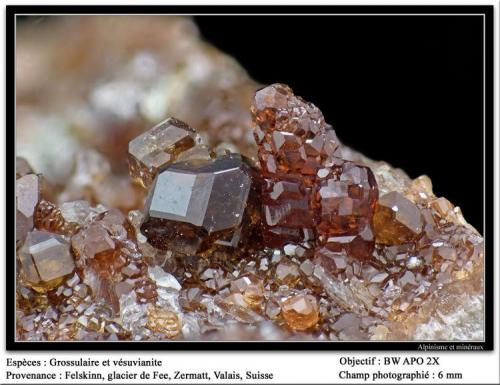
196, 204
300, 311
251, 287
27, 197
45, 258
308, 191
286, 210
348, 194
397, 220
103, 246
152, 151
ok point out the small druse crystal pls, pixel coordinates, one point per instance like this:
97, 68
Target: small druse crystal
301, 311
45, 259
397, 220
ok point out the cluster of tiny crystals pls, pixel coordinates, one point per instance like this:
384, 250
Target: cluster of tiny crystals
302, 245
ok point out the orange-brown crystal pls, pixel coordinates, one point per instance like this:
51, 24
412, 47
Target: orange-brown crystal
300, 311
251, 287
397, 220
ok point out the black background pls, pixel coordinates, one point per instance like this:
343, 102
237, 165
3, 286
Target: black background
404, 89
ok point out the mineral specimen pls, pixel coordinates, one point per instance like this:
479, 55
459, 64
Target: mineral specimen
164, 322
338, 263
251, 287
348, 194
197, 204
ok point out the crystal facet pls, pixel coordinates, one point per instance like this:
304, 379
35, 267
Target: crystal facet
22, 167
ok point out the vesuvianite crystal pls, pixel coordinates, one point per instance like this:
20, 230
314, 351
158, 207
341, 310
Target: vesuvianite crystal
196, 204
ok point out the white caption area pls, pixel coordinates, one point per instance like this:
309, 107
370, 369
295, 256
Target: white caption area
285, 367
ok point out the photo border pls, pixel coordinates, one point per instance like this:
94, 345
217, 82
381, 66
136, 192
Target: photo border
489, 169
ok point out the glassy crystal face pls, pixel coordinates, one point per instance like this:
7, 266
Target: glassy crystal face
292, 135
99, 245
157, 148
195, 204
27, 197
397, 220
45, 258
94, 242
309, 192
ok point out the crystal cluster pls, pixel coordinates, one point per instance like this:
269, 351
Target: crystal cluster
195, 241
309, 191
